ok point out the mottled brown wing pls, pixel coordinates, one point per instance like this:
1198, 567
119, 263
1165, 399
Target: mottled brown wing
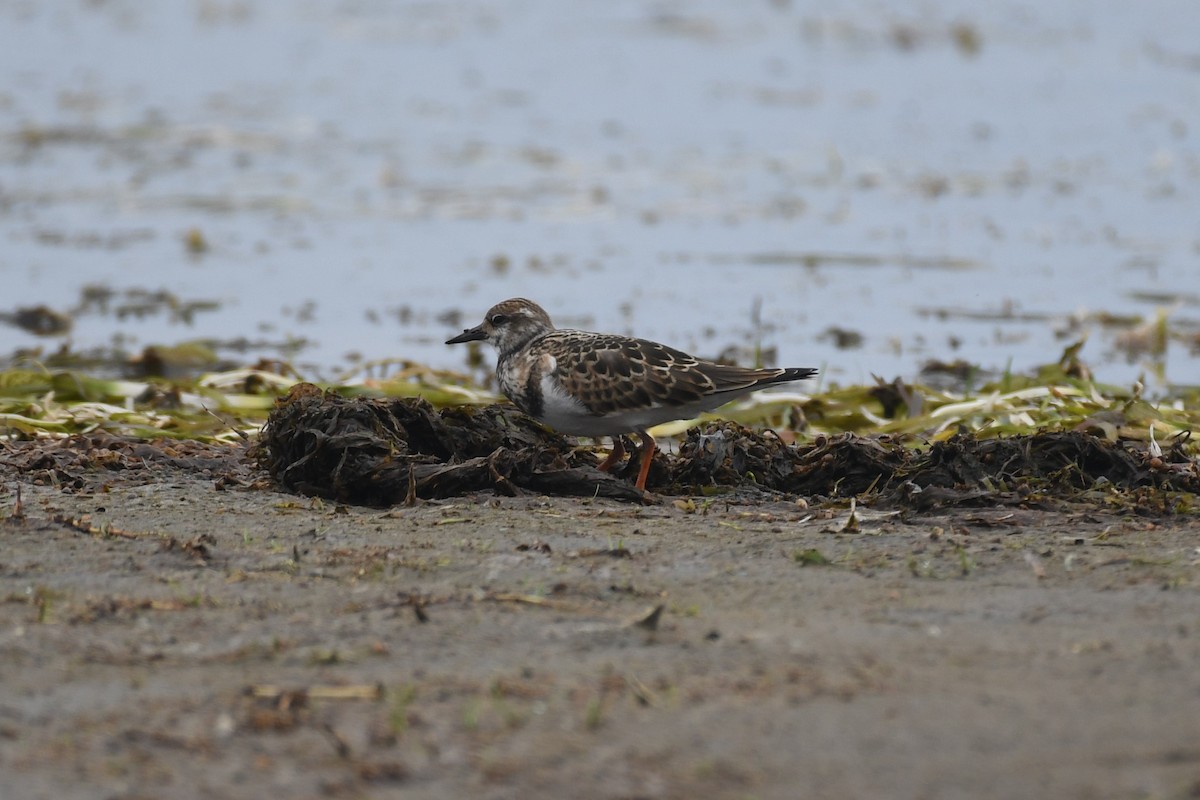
736, 380
610, 373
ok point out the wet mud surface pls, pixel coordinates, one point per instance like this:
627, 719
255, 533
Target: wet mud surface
171, 625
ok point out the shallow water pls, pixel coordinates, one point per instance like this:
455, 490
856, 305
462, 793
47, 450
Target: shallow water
948, 184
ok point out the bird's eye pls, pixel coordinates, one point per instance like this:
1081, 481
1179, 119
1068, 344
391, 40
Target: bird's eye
499, 319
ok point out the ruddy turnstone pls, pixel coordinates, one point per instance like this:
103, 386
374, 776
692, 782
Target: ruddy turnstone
600, 384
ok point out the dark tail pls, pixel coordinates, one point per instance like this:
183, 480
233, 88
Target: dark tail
792, 374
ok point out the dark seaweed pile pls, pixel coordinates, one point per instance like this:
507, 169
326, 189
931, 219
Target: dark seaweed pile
962, 470
381, 452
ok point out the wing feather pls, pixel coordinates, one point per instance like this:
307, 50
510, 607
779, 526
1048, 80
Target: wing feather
611, 374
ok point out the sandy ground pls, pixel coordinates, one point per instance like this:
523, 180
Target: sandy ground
188, 642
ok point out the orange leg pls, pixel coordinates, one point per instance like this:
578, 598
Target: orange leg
618, 452
648, 448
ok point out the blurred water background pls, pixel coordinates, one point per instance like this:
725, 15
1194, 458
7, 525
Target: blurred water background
859, 186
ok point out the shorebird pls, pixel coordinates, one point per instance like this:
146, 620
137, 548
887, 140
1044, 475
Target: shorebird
601, 384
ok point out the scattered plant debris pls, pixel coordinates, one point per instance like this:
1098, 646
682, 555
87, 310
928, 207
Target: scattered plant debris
810, 558
962, 470
382, 452
39, 320
90, 462
1016, 440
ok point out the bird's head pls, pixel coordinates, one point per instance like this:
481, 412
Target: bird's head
509, 325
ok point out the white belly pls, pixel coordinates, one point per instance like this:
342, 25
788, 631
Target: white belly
567, 415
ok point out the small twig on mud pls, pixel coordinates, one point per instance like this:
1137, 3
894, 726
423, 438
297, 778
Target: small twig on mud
410, 499
361, 691
84, 524
648, 619
641, 692
339, 744
240, 434
851, 525
418, 605
533, 600
616, 551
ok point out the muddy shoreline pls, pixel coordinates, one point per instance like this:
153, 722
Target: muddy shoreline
169, 637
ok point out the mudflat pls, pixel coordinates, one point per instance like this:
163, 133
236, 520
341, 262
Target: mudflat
166, 637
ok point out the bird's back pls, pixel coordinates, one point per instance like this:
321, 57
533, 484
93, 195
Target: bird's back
608, 375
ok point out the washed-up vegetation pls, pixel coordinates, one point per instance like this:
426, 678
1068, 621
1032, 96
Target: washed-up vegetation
389, 451
401, 431
226, 406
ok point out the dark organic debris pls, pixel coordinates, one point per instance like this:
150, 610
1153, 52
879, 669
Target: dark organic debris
178, 361
39, 320
842, 338
728, 454
389, 451
382, 452
199, 547
963, 470
87, 462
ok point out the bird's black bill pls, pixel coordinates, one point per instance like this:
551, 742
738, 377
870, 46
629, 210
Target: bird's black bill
469, 335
